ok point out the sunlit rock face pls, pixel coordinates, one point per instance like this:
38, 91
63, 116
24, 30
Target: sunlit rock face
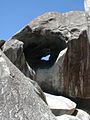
14, 50
81, 115
19, 98
87, 6
87, 11
45, 39
60, 105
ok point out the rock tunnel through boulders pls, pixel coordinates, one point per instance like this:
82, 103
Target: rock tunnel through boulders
43, 50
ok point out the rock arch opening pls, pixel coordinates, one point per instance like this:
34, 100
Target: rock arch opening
42, 51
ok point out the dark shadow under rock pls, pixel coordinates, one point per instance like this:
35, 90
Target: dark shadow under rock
83, 104
1, 43
42, 46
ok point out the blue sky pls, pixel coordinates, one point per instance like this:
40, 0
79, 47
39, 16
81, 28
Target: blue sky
14, 14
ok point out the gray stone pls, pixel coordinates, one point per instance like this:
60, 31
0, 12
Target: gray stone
60, 105
67, 117
50, 34
51, 79
82, 115
87, 11
18, 97
13, 49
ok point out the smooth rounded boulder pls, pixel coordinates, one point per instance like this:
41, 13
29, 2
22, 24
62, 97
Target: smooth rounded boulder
60, 105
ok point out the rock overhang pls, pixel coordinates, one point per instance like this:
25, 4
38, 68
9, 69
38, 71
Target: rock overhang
48, 35
40, 43
42, 46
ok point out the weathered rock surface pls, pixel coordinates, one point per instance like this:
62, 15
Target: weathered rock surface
18, 97
14, 50
51, 33
60, 105
65, 74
